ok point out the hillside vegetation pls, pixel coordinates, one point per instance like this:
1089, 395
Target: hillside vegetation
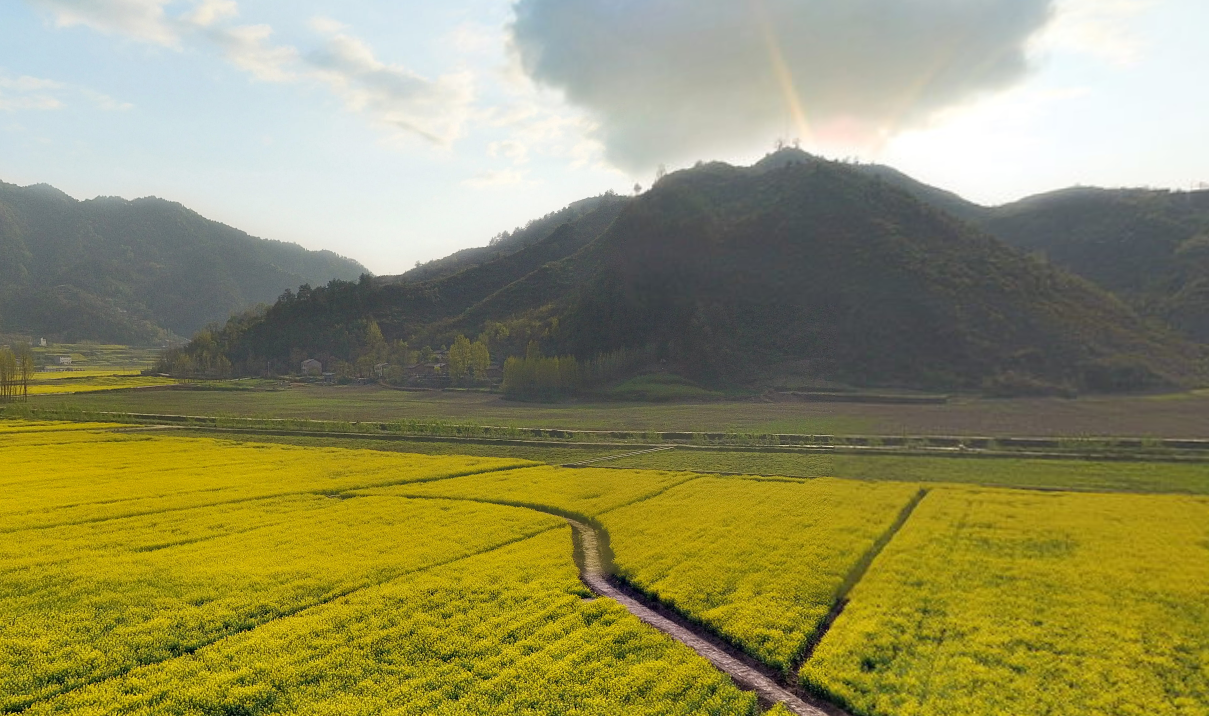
796, 271
136, 272
1151, 248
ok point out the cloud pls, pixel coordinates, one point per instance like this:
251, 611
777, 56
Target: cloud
1099, 28
510, 149
393, 97
670, 80
496, 179
143, 20
248, 48
32, 93
208, 12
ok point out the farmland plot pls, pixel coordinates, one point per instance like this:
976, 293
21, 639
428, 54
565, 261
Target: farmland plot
588, 492
158, 575
998, 603
86, 602
53, 478
504, 632
759, 562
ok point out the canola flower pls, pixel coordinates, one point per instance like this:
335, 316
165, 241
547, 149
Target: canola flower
588, 492
87, 602
506, 631
65, 478
46, 426
66, 383
759, 562
999, 603
86, 373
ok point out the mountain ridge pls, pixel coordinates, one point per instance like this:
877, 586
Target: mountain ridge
794, 269
136, 271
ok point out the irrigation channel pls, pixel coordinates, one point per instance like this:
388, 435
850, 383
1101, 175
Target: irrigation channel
745, 675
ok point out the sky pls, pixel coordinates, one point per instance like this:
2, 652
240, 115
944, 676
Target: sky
399, 132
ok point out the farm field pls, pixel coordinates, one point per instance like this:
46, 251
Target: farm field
1095, 475
95, 356
297, 601
589, 492
14, 427
157, 572
91, 382
759, 562
63, 478
1184, 415
41, 376
1140, 476
1000, 603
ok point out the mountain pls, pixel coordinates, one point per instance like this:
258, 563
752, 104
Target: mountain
1149, 247
795, 269
326, 320
136, 271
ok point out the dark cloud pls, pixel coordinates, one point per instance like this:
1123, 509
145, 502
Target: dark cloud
682, 79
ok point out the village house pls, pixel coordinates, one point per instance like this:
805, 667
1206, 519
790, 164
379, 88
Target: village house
310, 366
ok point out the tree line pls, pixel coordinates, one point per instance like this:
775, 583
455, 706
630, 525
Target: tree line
536, 377
16, 371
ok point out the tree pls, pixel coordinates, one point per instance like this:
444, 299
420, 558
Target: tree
375, 344
480, 359
7, 375
25, 369
460, 356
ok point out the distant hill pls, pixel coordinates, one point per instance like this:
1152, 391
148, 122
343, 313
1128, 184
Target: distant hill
136, 271
1149, 247
323, 321
796, 269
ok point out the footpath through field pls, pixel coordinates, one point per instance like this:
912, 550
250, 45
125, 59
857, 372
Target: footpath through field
744, 675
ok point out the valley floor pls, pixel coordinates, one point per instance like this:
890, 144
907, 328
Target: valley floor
168, 572
1182, 415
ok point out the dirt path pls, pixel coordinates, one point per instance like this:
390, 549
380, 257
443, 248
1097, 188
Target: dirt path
744, 675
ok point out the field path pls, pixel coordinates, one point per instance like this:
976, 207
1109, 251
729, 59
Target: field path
744, 675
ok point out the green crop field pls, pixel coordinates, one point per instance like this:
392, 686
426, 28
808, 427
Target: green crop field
1115, 475
156, 572
1184, 415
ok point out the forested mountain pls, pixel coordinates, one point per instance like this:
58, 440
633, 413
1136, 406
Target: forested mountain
794, 269
1149, 247
136, 271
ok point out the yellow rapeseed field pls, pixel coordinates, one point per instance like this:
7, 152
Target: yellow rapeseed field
760, 562
588, 492
86, 602
43, 426
148, 573
85, 373
504, 632
999, 603
63, 383
152, 574
66, 478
